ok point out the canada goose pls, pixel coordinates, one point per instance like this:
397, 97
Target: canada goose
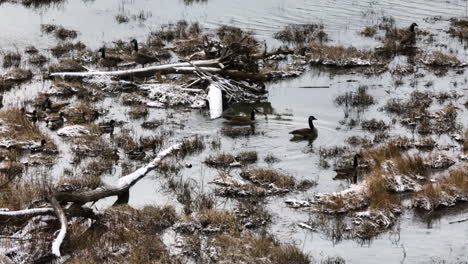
412, 27
347, 171
141, 57
54, 121
136, 154
408, 40
108, 61
306, 133
235, 120
107, 127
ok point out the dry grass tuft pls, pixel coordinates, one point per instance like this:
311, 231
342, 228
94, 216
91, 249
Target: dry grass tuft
11, 59
360, 98
379, 197
269, 176
218, 219
297, 33
339, 56
24, 130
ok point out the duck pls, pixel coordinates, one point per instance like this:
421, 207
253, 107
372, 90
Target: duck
40, 147
136, 154
55, 121
108, 61
235, 120
107, 127
54, 108
306, 133
346, 171
112, 155
140, 57
32, 116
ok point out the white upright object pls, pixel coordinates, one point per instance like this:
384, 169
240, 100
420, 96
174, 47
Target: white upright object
215, 100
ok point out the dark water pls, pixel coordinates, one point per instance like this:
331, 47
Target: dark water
417, 242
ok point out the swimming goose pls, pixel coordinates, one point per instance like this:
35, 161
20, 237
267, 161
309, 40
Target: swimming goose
306, 133
136, 154
55, 121
235, 120
108, 61
346, 171
107, 127
141, 57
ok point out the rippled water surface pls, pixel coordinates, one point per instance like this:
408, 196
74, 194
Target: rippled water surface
419, 239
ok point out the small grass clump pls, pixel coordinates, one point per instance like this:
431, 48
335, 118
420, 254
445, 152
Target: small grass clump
66, 48
270, 158
18, 127
247, 157
219, 219
412, 165
446, 192
459, 28
339, 56
236, 132
121, 18
250, 248
360, 98
374, 125
136, 231
439, 59
369, 31
138, 111
190, 146
378, 194
59, 31
302, 33
223, 160
11, 59
269, 176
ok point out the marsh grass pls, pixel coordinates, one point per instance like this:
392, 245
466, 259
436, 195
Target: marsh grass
66, 48
302, 33
380, 198
122, 227
138, 111
219, 219
447, 190
11, 59
338, 56
236, 132
270, 176
223, 160
369, 31
439, 59
24, 130
191, 146
360, 98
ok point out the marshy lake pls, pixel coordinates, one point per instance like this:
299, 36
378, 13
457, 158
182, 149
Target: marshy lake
394, 93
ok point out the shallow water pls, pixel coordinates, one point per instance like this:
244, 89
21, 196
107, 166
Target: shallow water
417, 242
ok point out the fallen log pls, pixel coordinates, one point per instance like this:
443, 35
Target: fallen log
141, 72
63, 226
211, 66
